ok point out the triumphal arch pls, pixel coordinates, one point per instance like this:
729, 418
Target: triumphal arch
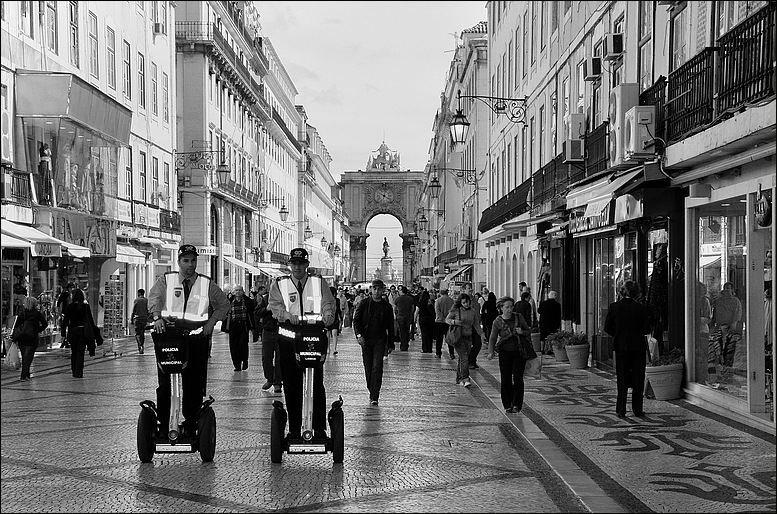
382, 188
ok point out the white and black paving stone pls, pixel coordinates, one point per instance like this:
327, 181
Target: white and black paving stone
68, 445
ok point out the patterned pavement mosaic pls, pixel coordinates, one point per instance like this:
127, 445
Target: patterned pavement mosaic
68, 445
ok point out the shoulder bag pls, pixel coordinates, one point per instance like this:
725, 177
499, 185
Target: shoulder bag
455, 336
23, 331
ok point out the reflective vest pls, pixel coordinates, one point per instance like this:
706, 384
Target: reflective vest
196, 309
309, 304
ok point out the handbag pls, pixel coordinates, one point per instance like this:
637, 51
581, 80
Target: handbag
526, 349
455, 335
24, 331
89, 337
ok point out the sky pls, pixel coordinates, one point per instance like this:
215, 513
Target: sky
368, 72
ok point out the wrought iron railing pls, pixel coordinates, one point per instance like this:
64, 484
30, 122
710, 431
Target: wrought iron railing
279, 257
510, 206
16, 189
689, 96
597, 150
447, 257
656, 95
292, 138
169, 221
745, 72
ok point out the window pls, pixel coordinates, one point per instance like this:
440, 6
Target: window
679, 38
128, 175
110, 49
73, 23
531, 145
52, 31
565, 106
554, 17
154, 101
127, 90
165, 99
517, 54
524, 170
542, 135
509, 68
166, 178
533, 32
525, 39
617, 65
26, 22
142, 80
163, 14
580, 88
509, 166
94, 63
155, 179
142, 183
543, 22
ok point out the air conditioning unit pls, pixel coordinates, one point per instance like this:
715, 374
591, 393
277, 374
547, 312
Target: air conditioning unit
576, 126
622, 98
613, 46
592, 68
638, 124
574, 150
159, 28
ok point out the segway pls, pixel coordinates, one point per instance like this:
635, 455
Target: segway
172, 353
310, 349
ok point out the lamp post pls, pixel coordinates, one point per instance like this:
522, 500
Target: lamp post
513, 108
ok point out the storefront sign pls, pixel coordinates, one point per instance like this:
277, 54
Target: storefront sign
141, 214
227, 249
580, 223
208, 250
47, 250
627, 207
152, 214
97, 234
124, 211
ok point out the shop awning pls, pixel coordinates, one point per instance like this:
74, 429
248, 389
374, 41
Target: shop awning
604, 194
237, 262
41, 245
170, 246
76, 250
708, 260
129, 255
9, 241
454, 274
151, 241
271, 272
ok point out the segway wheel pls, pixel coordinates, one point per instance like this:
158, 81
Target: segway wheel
206, 426
146, 429
338, 437
276, 438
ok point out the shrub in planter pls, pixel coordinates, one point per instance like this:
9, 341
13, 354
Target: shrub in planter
563, 338
665, 377
675, 356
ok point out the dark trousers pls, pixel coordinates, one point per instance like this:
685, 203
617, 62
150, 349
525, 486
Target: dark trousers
477, 344
75, 337
271, 357
404, 333
426, 324
194, 379
28, 352
440, 329
372, 357
511, 368
238, 343
630, 372
140, 334
293, 377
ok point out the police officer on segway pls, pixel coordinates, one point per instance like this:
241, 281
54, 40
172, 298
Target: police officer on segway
302, 297
187, 300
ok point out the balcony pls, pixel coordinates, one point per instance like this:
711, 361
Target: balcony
16, 189
447, 257
510, 206
282, 124
723, 80
656, 95
551, 181
239, 191
169, 221
279, 257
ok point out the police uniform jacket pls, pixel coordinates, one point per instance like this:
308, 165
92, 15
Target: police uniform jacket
206, 300
314, 302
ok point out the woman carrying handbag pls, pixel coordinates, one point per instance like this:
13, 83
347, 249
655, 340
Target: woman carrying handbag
81, 332
506, 334
463, 315
28, 325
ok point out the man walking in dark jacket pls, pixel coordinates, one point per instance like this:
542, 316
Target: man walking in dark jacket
373, 324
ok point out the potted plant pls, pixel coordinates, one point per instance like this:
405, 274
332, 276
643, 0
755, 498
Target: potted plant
535, 339
577, 349
665, 376
558, 341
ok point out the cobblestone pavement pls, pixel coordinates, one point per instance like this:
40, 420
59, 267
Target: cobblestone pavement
68, 445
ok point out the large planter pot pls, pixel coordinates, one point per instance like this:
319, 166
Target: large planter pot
578, 355
560, 354
535, 341
665, 380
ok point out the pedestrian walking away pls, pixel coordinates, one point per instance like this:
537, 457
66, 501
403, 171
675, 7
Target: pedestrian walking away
77, 316
271, 356
404, 309
187, 300
293, 298
462, 314
373, 324
506, 334
64, 299
139, 319
239, 324
628, 322
425, 315
334, 328
549, 313
442, 306
30, 322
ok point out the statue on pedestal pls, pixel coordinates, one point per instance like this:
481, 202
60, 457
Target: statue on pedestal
385, 247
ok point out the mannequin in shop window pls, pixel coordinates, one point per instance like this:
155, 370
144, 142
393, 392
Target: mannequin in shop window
658, 295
